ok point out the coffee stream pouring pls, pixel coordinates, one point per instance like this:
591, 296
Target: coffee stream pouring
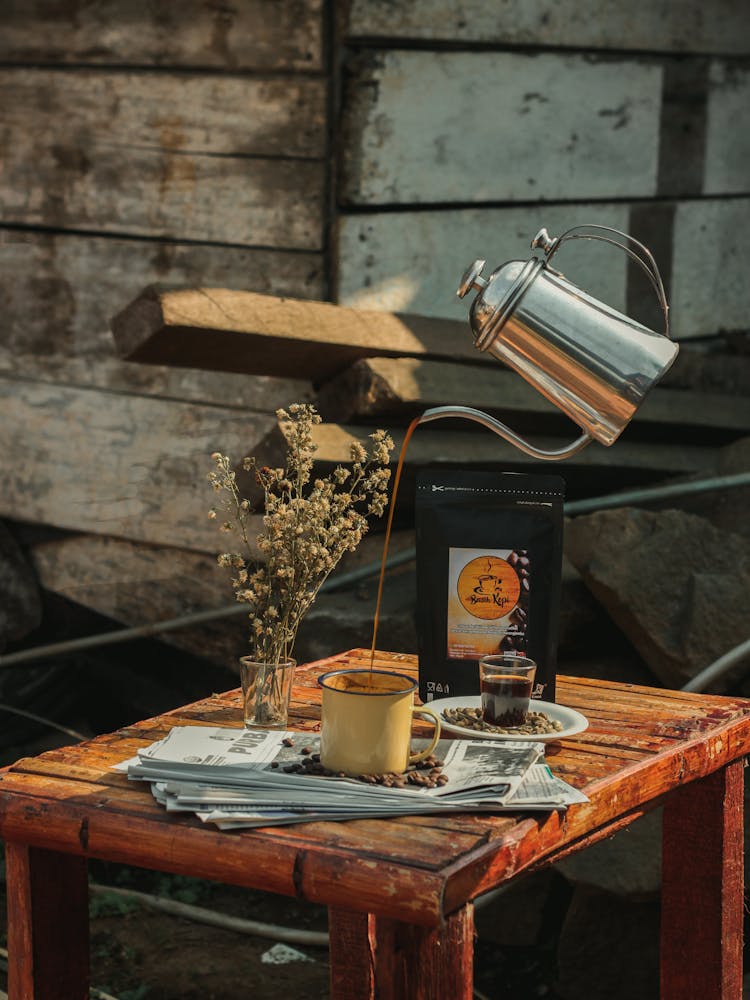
594, 363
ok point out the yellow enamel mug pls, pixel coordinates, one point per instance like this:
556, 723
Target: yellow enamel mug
366, 719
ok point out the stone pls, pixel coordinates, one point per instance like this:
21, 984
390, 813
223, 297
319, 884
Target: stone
343, 619
627, 864
674, 583
580, 613
20, 598
608, 948
589, 643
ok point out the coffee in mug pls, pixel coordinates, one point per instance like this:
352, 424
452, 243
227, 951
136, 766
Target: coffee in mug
366, 719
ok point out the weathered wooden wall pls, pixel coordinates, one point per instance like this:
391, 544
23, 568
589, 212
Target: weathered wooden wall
183, 143
468, 125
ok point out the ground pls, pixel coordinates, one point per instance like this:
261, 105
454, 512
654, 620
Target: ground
142, 955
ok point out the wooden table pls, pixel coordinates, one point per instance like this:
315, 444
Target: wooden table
399, 892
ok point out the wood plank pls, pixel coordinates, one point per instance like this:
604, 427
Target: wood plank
253, 393
482, 448
702, 873
582, 24
412, 261
60, 290
265, 335
200, 157
48, 924
256, 34
404, 387
596, 123
98, 111
382, 841
115, 464
49, 816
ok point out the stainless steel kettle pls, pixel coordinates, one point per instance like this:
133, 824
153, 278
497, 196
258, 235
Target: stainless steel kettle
594, 363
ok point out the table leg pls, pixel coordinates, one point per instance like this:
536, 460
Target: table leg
702, 889
48, 924
375, 957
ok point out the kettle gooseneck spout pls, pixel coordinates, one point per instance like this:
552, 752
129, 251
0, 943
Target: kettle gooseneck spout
503, 431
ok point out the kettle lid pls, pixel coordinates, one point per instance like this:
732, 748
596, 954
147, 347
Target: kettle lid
499, 295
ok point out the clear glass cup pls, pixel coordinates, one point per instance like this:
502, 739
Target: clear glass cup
266, 690
506, 682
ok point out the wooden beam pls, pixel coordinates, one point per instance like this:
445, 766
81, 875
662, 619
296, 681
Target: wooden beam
220, 329
201, 157
116, 464
406, 386
59, 291
254, 35
48, 923
478, 447
375, 957
702, 872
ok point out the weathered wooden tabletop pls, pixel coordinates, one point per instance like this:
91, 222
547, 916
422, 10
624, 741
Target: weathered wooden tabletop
642, 746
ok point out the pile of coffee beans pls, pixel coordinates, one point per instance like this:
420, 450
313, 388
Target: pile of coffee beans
427, 773
535, 723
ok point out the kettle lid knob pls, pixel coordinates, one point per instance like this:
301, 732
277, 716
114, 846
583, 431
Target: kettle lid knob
543, 241
472, 279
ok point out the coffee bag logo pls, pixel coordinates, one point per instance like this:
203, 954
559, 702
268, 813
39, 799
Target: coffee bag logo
488, 587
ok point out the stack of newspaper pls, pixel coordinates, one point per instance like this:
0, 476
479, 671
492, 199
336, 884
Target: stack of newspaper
246, 777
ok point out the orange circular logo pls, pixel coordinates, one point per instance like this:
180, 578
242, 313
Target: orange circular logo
488, 587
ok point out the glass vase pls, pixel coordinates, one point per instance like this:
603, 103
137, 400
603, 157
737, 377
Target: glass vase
266, 689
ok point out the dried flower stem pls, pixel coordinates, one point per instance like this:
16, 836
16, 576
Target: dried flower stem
308, 525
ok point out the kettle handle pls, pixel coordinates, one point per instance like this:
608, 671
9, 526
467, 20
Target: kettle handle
550, 245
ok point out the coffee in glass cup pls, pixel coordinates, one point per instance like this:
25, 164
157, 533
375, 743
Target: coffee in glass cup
506, 682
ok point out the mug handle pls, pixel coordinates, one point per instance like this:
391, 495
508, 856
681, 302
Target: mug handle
423, 710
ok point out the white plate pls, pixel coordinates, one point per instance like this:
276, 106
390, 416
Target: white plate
572, 722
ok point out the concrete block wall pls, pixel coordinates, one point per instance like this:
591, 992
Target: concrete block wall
467, 125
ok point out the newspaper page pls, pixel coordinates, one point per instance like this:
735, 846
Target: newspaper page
242, 778
203, 753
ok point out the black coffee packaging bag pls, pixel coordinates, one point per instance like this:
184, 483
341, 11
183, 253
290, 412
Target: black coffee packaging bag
489, 566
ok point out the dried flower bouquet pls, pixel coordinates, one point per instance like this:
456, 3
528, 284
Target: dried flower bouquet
308, 525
